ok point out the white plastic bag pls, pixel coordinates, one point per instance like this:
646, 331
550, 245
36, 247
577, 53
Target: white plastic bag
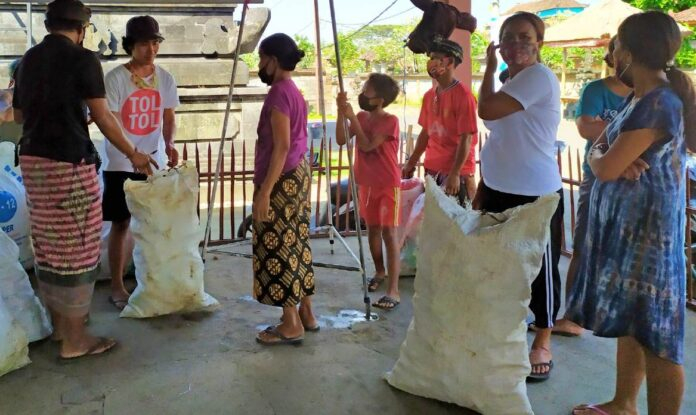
467, 342
411, 229
14, 213
14, 347
164, 224
411, 189
18, 295
7, 155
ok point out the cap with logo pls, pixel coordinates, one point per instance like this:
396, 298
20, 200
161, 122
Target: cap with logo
447, 47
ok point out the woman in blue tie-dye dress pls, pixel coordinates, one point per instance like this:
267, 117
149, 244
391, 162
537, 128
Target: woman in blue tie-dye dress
631, 280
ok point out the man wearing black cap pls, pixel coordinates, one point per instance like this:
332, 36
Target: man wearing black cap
449, 129
143, 97
56, 81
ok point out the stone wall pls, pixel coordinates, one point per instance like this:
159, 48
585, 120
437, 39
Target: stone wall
200, 33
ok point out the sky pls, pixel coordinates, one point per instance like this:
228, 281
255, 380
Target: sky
297, 16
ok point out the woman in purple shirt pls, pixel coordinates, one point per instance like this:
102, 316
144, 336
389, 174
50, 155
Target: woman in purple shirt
283, 273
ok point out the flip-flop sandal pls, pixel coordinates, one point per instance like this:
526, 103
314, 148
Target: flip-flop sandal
592, 408
374, 283
119, 304
386, 303
273, 330
540, 377
562, 333
309, 329
312, 329
104, 345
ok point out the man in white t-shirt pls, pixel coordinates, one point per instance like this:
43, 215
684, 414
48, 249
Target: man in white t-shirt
143, 97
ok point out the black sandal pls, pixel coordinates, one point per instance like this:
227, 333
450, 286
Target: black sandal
386, 303
278, 338
540, 377
374, 283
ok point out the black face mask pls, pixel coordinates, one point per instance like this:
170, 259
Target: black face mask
364, 103
265, 77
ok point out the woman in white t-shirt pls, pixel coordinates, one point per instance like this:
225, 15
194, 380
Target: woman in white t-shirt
518, 160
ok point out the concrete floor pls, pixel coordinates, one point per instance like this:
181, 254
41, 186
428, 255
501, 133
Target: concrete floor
210, 364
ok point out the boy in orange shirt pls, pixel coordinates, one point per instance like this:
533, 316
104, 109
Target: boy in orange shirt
449, 132
377, 175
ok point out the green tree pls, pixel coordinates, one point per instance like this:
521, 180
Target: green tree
251, 60
664, 5
350, 54
310, 53
479, 44
384, 44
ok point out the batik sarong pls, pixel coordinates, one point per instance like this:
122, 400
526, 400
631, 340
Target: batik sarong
282, 257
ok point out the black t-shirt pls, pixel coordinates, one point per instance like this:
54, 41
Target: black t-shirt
53, 80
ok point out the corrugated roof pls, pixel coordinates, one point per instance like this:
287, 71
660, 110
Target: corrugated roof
593, 26
687, 16
542, 5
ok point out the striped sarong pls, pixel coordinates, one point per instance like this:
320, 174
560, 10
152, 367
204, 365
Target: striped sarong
66, 219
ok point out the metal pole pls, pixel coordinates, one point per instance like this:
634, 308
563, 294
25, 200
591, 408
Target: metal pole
218, 167
322, 110
349, 147
30, 26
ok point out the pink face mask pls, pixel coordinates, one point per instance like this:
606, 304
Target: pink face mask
518, 53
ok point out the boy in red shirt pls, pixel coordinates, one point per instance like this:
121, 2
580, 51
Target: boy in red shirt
449, 132
377, 175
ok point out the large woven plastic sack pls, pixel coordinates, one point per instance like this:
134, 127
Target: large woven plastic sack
168, 266
14, 346
467, 342
14, 213
18, 295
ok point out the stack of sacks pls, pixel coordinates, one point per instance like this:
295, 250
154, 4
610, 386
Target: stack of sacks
14, 213
17, 302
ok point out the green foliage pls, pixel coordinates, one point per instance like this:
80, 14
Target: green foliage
686, 57
577, 58
251, 59
664, 5
350, 54
479, 44
310, 53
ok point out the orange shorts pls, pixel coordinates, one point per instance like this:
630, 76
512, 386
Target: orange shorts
379, 206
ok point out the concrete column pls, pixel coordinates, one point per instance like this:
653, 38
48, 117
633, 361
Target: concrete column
463, 72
